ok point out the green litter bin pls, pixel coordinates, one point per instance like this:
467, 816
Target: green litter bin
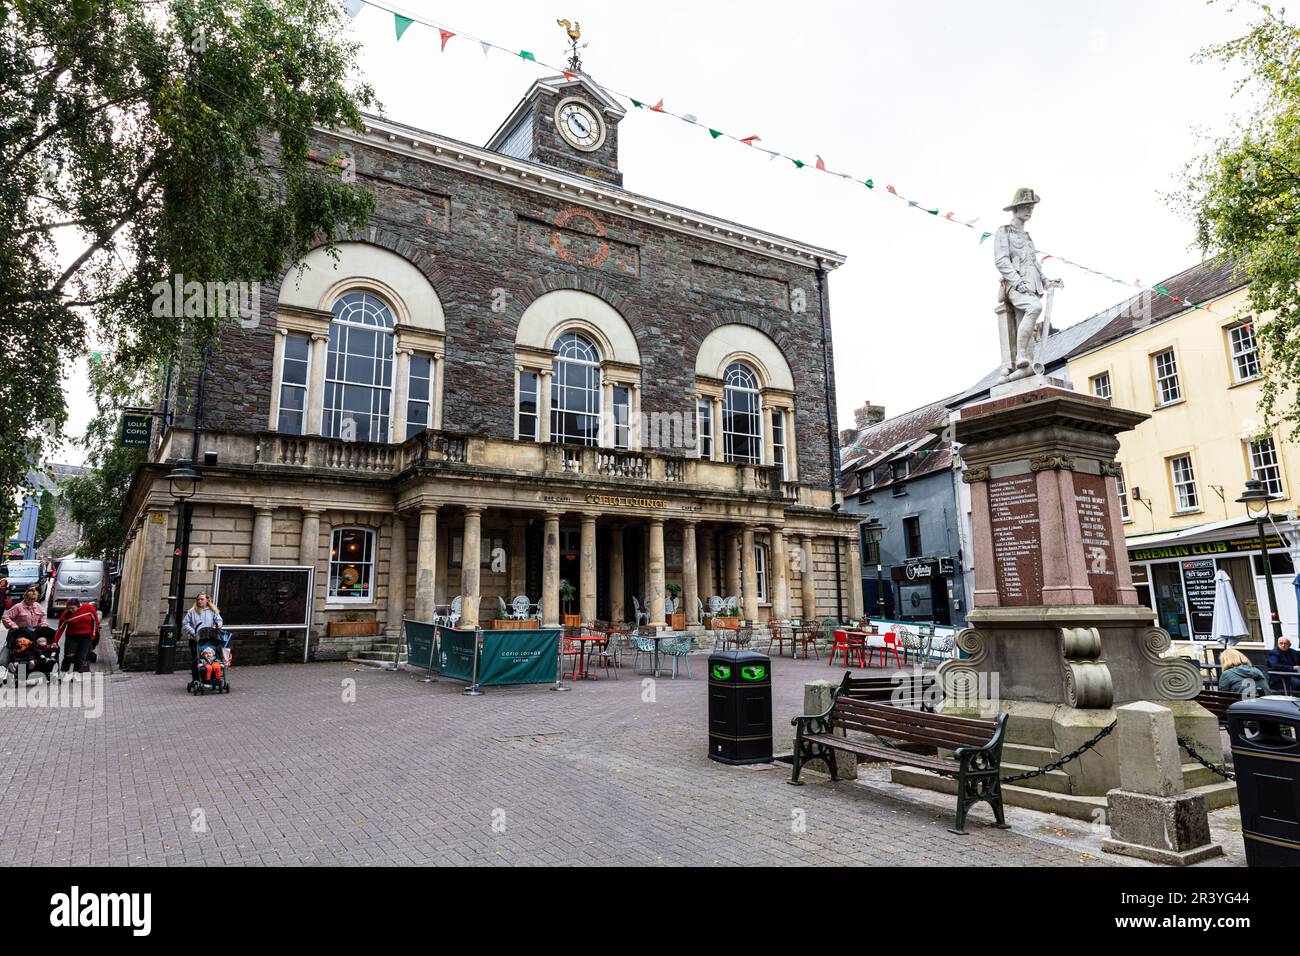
740, 707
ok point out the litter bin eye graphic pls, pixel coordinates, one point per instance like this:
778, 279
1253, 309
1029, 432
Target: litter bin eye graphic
721, 672
753, 672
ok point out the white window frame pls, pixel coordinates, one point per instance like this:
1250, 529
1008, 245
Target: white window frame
1244, 351
428, 402
1187, 499
704, 427
760, 571
333, 415
302, 389
751, 392
622, 416
590, 369
1256, 452
1121, 488
369, 565
522, 433
1099, 385
1168, 387
780, 450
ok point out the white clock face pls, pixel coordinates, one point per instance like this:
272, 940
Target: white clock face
579, 125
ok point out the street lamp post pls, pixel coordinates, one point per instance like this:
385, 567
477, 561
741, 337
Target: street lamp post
1256, 498
874, 531
183, 482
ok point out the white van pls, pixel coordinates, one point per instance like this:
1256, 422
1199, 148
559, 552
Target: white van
79, 578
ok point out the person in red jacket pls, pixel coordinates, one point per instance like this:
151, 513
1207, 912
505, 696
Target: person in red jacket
80, 624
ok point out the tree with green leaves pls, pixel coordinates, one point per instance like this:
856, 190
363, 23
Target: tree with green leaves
1244, 195
141, 141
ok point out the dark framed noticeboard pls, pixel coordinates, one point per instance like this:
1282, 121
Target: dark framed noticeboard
264, 597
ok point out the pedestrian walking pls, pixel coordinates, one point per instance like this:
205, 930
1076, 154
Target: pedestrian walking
78, 627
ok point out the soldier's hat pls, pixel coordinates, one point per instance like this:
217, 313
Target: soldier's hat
1024, 197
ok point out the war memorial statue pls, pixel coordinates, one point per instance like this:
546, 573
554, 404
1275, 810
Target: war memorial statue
1024, 295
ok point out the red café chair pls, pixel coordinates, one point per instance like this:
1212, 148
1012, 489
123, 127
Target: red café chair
891, 647
570, 648
845, 647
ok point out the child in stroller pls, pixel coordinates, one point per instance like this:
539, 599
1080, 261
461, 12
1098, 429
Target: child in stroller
211, 656
32, 651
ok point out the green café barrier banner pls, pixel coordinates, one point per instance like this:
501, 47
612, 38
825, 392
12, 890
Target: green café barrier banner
421, 644
505, 657
519, 657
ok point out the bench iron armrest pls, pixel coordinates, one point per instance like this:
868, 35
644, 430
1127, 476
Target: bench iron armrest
814, 723
986, 756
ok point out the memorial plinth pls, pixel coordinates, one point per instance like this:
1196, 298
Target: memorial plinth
1057, 637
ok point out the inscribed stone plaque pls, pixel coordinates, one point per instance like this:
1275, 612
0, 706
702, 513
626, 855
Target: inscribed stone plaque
1017, 544
1093, 507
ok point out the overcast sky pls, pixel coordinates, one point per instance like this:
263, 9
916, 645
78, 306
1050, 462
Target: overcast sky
1096, 105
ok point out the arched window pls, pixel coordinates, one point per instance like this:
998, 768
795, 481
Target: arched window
742, 424
359, 369
575, 391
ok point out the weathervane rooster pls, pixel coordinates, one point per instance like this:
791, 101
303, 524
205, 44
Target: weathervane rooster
574, 30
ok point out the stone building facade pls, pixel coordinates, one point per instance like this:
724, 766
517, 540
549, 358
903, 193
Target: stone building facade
522, 360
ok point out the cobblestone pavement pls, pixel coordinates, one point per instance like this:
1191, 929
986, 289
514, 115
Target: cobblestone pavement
285, 771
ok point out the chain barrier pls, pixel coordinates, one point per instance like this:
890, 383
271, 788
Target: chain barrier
1057, 764
1221, 771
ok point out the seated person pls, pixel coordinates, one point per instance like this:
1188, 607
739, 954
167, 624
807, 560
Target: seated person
209, 665
1240, 676
1283, 658
36, 653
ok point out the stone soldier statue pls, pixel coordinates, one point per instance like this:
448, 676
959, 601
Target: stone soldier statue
1022, 289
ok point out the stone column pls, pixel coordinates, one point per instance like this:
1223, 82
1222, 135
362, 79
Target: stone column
731, 555
309, 538
544, 410
426, 564
791, 452
617, 612
401, 391
718, 451
779, 575
436, 397
151, 606
518, 557
551, 570
316, 379
587, 569
656, 597
396, 579
855, 580
607, 428
808, 582
748, 574
635, 438
766, 457
261, 550
690, 575
471, 546
707, 576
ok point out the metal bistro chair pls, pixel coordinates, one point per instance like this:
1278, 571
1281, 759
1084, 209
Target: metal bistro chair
606, 653
679, 649
520, 606
453, 618
502, 611
643, 645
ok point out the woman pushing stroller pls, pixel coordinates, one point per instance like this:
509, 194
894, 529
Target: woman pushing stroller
80, 625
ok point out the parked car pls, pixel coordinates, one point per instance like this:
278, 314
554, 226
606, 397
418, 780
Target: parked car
79, 578
23, 575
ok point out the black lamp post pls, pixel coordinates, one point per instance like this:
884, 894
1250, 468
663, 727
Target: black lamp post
1256, 498
874, 531
183, 482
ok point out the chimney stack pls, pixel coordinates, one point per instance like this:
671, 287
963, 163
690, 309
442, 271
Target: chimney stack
868, 415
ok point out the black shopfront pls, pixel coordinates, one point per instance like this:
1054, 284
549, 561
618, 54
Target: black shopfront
926, 589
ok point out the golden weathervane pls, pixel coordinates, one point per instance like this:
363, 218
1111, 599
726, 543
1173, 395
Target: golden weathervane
574, 30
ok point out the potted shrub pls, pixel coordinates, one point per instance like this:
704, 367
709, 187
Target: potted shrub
678, 619
567, 595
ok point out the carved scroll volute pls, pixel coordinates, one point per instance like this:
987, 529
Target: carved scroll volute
960, 678
1088, 682
1175, 678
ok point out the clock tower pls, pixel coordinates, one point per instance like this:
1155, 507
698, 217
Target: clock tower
566, 122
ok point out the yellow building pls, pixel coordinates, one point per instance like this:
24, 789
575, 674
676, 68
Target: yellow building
1196, 371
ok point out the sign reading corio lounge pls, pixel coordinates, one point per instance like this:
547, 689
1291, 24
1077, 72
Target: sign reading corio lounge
618, 501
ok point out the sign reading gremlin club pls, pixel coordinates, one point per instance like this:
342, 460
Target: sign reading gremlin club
1017, 545
1093, 508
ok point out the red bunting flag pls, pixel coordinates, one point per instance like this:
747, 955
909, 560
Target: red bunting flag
446, 35
658, 107
821, 164
751, 140
892, 190
569, 75
949, 217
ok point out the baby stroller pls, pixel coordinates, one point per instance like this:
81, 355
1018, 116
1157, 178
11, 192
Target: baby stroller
208, 671
30, 649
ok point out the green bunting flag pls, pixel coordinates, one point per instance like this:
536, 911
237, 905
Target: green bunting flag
715, 133
798, 163
527, 56
401, 23
869, 184
637, 103
984, 236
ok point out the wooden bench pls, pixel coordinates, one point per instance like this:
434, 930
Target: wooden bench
910, 690
1217, 702
976, 745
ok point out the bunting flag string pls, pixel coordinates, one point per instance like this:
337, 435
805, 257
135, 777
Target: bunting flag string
403, 20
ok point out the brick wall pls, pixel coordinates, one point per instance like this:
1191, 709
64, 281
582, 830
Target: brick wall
465, 234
